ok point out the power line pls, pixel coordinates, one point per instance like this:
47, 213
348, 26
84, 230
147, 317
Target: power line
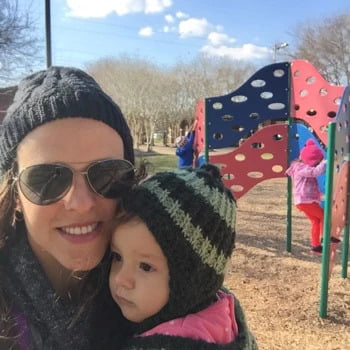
166, 42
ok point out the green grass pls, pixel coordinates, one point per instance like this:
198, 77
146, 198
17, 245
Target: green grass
162, 162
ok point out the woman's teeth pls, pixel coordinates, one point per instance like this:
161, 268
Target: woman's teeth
79, 230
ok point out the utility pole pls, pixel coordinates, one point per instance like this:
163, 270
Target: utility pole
48, 33
276, 47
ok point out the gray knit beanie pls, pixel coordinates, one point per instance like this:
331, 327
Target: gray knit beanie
57, 93
191, 214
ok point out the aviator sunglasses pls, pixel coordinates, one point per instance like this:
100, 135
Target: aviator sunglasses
44, 184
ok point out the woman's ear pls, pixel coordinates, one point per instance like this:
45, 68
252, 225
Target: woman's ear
17, 213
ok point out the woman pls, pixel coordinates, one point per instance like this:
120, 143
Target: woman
66, 154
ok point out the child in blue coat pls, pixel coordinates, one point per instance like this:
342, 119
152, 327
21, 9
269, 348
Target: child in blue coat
184, 148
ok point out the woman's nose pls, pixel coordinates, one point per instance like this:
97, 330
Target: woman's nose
80, 196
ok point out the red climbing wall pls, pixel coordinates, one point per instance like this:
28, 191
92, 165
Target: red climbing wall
199, 141
313, 99
263, 156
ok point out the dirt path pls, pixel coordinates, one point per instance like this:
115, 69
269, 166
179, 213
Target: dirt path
156, 150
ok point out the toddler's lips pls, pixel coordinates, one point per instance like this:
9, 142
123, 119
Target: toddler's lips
123, 301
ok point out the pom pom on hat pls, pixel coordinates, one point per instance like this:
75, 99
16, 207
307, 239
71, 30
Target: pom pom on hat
311, 154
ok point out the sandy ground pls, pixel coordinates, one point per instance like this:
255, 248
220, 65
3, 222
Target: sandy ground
278, 290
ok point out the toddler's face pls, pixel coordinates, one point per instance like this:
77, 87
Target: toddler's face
139, 277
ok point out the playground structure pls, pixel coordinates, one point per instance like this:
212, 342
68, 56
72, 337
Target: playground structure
254, 133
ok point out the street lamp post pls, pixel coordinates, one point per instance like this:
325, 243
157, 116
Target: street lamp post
276, 47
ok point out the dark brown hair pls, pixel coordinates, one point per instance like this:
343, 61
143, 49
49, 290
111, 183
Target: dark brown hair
7, 213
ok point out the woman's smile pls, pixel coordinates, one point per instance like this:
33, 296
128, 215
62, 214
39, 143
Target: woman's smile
81, 233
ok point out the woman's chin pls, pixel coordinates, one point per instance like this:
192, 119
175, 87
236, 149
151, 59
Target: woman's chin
84, 257
83, 263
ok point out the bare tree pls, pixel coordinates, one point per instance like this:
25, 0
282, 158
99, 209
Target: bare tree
327, 46
18, 44
135, 84
201, 78
155, 99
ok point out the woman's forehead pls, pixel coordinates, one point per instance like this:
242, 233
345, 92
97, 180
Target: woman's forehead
70, 140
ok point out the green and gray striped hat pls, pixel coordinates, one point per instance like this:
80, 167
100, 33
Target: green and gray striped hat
192, 216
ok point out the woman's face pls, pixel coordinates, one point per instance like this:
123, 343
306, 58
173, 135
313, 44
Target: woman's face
74, 230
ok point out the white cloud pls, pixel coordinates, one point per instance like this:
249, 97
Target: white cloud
246, 52
146, 31
181, 15
194, 27
217, 39
169, 18
154, 6
169, 29
102, 8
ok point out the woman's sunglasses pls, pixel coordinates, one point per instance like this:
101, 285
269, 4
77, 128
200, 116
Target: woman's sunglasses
44, 184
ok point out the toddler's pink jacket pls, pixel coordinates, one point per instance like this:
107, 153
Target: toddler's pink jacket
305, 187
215, 324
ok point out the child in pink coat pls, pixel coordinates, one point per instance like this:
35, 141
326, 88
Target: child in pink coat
307, 195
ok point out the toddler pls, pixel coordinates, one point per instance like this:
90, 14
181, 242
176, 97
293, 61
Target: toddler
307, 195
169, 254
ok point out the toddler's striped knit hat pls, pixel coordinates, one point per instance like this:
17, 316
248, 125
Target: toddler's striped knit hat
192, 216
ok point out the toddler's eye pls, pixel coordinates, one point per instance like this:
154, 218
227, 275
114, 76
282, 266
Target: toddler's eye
146, 267
115, 257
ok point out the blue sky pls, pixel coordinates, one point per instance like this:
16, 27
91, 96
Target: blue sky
167, 31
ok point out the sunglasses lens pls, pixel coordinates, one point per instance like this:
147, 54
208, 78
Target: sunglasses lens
44, 184
110, 178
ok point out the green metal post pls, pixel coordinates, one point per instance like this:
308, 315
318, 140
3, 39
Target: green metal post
345, 251
289, 193
206, 147
289, 215
289, 181
327, 221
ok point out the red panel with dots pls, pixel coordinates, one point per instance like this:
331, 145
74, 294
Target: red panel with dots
200, 128
339, 205
339, 209
263, 156
313, 99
